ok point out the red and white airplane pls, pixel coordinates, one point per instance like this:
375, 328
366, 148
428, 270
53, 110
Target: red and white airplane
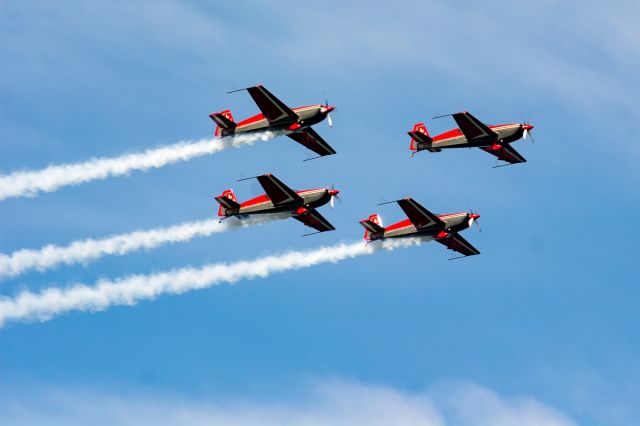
473, 133
422, 223
280, 198
295, 123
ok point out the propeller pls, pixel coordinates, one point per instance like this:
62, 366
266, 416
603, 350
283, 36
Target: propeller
334, 195
473, 219
329, 119
527, 131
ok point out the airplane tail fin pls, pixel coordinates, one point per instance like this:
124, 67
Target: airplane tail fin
373, 227
224, 122
227, 201
420, 138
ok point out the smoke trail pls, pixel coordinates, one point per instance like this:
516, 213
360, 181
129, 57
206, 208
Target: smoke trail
130, 290
87, 250
30, 183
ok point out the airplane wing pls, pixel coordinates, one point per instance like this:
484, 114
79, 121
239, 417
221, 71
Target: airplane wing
315, 220
507, 153
472, 128
273, 109
312, 140
278, 192
418, 215
455, 242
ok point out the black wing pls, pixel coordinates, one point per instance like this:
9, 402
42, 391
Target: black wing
312, 140
315, 220
455, 242
273, 109
278, 192
506, 153
418, 215
472, 128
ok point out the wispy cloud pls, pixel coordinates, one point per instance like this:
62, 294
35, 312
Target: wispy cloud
545, 54
326, 402
52, 178
130, 290
85, 251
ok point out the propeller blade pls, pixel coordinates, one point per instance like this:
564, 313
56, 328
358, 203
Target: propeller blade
524, 135
329, 120
473, 221
331, 201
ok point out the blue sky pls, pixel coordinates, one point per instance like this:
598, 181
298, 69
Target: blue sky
546, 315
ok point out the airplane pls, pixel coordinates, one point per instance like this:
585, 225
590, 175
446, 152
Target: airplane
472, 133
295, 123
280, 198
422, 223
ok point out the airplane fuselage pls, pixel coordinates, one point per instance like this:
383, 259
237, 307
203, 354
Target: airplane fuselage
311, 199
454, 222
507, 133
307, 116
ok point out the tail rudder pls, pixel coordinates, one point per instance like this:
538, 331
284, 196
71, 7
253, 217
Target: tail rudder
227, 201
419, 136
224, 122
372, 225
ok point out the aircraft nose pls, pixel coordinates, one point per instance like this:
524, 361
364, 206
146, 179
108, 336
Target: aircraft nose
334, 192
527, 126
329, 108
474, 216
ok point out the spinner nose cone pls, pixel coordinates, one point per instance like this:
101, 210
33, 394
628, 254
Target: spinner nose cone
328, 108
474, 216
527, 126
334, 192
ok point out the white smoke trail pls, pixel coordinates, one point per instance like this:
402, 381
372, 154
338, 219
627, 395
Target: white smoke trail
30, 183
84, 251
130, 290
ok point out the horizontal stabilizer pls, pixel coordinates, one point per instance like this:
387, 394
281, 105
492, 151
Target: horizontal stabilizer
420, 138
372, 225
224, 121
227, 201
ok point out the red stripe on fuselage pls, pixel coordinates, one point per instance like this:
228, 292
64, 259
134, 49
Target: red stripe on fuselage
399, 225
407, 222
450, 214
251, 120
306, 107
259, 117
457, 133
447, 135
263, 198
257, 200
